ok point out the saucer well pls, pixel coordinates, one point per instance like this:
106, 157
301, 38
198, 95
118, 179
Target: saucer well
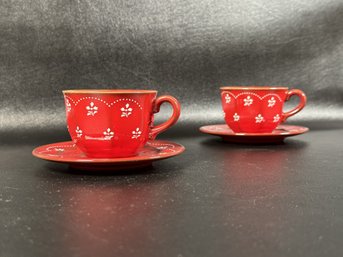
68, 153
277, 136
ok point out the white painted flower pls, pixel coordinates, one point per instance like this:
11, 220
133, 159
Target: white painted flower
108, 134
136, 133
235, 117
259, 118
68, 105
248, 101
59, 149
276, 118
227, 98
271, 102
78, 132
126, 111
92, 109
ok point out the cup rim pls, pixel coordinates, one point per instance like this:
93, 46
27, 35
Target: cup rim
253, 88
108, 91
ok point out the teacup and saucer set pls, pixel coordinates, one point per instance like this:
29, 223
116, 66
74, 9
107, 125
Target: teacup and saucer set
254, 115
113, 130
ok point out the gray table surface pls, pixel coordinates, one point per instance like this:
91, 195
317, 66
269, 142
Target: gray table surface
216, 199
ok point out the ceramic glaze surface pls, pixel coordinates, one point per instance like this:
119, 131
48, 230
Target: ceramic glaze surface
114, 123
276, 136
67, 152
257, 109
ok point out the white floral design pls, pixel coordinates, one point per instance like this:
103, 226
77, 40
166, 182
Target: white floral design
59, 149
78, 132
92, 109
227, 98
259, 118
276, 118
271, 102
108, 134
248, 101
136, 133
236, 117
126, 111
68, 105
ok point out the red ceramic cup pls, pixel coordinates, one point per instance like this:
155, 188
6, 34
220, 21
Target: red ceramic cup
257, 109
115, 123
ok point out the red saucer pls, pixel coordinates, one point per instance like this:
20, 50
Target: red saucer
67, 152
277, 136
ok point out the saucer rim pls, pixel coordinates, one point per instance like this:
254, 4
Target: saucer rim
233, 134
123, 160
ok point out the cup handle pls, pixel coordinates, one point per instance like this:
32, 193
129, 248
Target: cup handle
300, 106
155, 130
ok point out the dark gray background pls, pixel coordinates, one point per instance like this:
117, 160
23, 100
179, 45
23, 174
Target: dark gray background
214, 200
184, 48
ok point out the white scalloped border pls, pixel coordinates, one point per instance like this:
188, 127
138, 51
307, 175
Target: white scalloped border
50, 148
103, 101
254, 94
164, 148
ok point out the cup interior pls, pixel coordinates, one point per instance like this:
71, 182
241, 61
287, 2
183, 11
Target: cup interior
247, 88
109, 91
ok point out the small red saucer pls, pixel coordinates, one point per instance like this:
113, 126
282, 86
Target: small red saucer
277, 136
67, 152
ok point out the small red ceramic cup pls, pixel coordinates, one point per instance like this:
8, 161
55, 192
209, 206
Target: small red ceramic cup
255, 109
115, 123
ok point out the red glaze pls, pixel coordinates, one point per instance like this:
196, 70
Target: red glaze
67, 152
257, 109
276, 136
114, 123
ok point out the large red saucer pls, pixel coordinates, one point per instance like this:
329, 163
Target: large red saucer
68, 153
277, 136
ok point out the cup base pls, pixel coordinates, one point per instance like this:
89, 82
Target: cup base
109, 155
100, 150
248, 128
252, 131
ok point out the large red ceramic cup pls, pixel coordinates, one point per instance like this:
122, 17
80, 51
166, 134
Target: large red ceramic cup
257, 109
115, 123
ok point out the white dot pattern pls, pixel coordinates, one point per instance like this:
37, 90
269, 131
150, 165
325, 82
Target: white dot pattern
254, 94
105, 102
168, 147
163, 149
128, 100
53, 148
